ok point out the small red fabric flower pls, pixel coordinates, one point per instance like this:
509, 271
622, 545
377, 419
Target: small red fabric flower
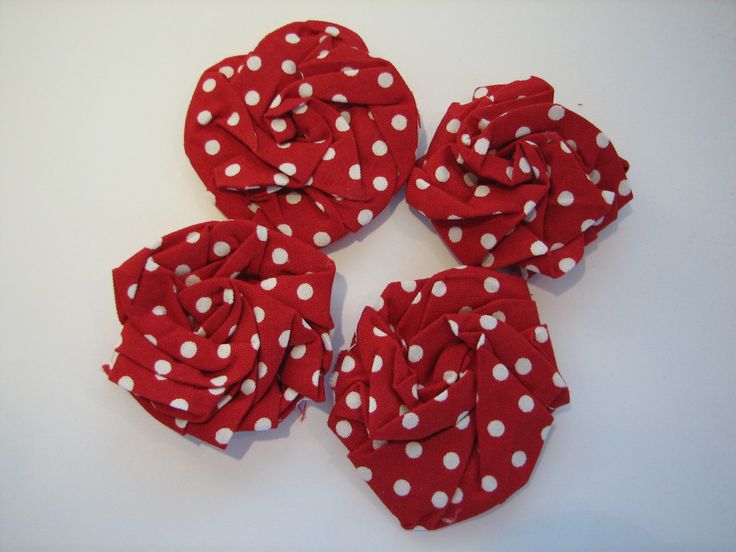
445, 396
308, 133
225, 328
512, 178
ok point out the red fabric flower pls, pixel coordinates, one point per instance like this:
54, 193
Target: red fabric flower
224, 328
445, 396
511, 178
308, 133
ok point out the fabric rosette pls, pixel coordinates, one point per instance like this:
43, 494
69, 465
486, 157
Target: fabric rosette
308, 133
446, 394
512, 178
225, 328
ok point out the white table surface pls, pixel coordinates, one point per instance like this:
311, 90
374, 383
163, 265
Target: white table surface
92, 104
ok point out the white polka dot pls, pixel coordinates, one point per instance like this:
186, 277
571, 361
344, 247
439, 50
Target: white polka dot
292, 38
209, 85
422, 184
203, 304
491, 284
159, 310
268, 284
284, 338
127, 383
399, 122
488, 322
624, 188
565, 198
415, 353
352, 400
587, 223
278, 124
365, 473
252, 97
526, 403
524, 165
304, 291
365, 216
204, 117
410, 420
339, 98
594, 176
221, 249
262, 369
439, 499
413, 450
557, 380
451, 460
409, 285
566, 264
279, 256
488, 483
457, 498
538, 248
565, 148
162, 367
463, 421
556, 112
379, 148
496, 428
522, 131
188, 349
481, 146
545, 432
354, 172
482, 191
488, 241
518, 459
288, 67
348, 364
377, 364
523, 366
439, 289
253, 63
385, 80
341, 124
442, 174
248, 386
540, 334
453, 125
224, 435
329, 154
350, 72
232, 169
179, 404
480, 92
602, 140
500, 372
332, 30
151, 265
321, 239
262, 424
608, 196
223, 350
284, 229
343, 428
132, 289
380, 183
298, 351
402, 487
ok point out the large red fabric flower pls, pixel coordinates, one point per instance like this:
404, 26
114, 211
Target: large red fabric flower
225, 328
445, 395
308, 133
512, 178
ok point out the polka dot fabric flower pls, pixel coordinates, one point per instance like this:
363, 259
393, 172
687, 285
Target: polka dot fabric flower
225, 328
446, 394
512, 178
308, 133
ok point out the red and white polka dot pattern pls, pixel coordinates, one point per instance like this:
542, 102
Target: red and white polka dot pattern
512, 178
445, 396
308, 133
225, 328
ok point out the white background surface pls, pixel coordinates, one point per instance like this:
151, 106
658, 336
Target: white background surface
92, 104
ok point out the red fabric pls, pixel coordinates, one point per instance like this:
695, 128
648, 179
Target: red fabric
308, 133
512, 178
225, 328
445, 395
